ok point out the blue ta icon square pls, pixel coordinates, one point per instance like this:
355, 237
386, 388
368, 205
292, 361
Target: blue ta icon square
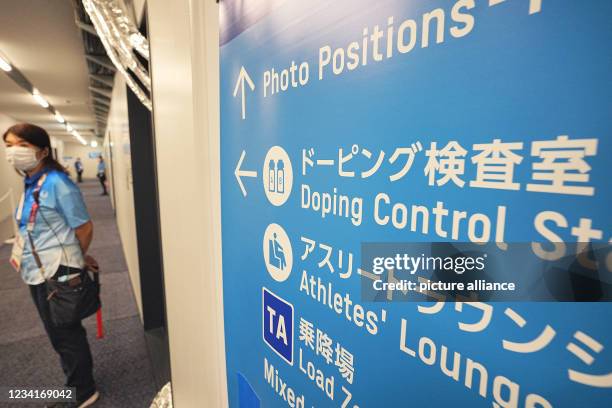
278, 324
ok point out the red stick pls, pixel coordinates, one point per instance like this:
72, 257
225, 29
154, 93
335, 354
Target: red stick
99, 323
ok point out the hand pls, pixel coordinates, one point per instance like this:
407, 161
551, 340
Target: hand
91, 263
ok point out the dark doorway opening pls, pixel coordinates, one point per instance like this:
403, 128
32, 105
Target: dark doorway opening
146, 206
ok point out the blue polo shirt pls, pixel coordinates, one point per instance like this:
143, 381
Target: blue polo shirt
101, 167
62, 209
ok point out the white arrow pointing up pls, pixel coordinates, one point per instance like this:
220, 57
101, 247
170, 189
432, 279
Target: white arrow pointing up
240, 84
243, 173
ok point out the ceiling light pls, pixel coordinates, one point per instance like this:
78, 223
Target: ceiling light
79, 137
38, 98
136, 39
59, 117
94, 144
69, 128
4, 64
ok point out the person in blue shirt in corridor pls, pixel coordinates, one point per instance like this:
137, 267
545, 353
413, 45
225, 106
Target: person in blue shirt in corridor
78, 167
55, 231
102, 174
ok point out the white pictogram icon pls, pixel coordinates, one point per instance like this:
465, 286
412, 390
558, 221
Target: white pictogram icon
278, 254
277, 176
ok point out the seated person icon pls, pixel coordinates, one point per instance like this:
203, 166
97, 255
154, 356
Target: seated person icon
276, 254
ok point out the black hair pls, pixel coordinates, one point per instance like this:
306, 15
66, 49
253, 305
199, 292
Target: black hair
38, 137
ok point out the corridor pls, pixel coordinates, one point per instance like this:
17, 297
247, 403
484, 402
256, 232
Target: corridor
121, 366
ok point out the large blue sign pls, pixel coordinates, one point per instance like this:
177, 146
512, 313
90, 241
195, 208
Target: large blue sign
411, 121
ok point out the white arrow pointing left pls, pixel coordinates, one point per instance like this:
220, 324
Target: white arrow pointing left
243, 173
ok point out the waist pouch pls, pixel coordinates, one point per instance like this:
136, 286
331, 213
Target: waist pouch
73, 300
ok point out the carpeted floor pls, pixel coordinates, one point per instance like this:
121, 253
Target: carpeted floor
121, 364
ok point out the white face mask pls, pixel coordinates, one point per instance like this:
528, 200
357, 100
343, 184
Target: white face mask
22, 158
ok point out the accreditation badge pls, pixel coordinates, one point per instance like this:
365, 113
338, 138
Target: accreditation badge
17, 252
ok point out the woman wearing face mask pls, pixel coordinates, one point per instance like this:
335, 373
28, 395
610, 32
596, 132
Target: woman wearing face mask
52, 216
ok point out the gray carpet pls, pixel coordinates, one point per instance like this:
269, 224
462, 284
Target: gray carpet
121, 364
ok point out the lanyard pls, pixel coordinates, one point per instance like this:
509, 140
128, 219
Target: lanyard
35, 205
32, 220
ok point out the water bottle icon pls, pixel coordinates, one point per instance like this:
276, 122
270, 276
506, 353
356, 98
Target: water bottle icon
277, 175
280, 177
272, 176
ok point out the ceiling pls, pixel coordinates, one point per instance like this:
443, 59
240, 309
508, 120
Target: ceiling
40, 38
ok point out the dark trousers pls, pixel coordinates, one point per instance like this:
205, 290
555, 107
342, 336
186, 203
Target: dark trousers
102, 178
71, 345
80, 176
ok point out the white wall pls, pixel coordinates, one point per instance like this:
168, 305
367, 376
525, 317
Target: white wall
58, 146
9, 180
185, 74
72, 150
139, 6
119, 175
